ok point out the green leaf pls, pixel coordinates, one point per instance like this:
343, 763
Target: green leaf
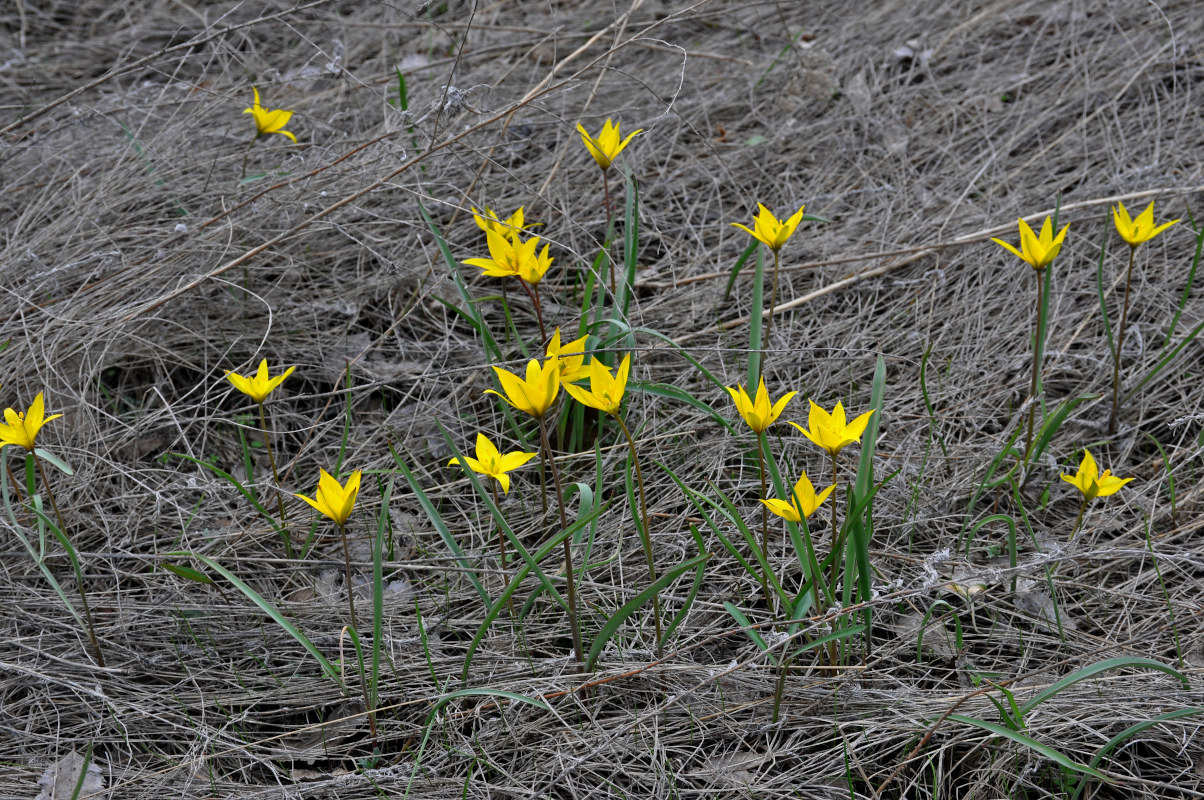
188, 573
1095, 669
1032, 744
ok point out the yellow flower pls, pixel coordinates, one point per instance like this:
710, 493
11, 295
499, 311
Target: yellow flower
1136, 231
507, 257
1038, 251
605, 390
1088, 480
758, 413
767, 229
267, 121
571, 356
490, 463
807, 501
258, 386
532, 270
21, 427
606, 147
489, 221
333, 500
534, 395
829, 431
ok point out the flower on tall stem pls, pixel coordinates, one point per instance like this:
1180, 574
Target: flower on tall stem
606, 393
258, 387
1135, 232
759, 413
534, 395
571, 357
491, 463
489, 221
831, 433
336, 502
1091, 484
774, 234
21, 428
1038, 251
266, 121
605, 148
510, 256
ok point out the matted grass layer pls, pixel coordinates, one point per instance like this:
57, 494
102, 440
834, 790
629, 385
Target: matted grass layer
138, 268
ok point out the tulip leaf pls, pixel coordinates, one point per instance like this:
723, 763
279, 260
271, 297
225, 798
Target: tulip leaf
268, 609
244, 491
693, 593
1127, 733
1031, 743
628, 609
751, 630
682, 396
188, 573
57, 462
1094, 669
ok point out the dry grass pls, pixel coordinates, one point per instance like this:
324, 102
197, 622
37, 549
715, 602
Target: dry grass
137, 269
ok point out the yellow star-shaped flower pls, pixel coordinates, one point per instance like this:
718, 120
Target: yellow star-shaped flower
1142, 229
268, 121
510, 257
573, 367
491, 463
1091, 483
488, 221
21, 427
534, 395
802, 504
758, 412
1038, 251
829, 431
766, 227
606, 146
333, 499
259, 385
605, 390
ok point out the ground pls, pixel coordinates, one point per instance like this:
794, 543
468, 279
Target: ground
151, 243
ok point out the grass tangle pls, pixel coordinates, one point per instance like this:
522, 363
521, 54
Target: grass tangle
947, 637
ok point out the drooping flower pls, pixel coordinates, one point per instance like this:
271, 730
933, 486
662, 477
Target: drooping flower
807, 501
268, 121
1091, 483
259, 385
758, 412
1037, 251
766, 227
606, 146
491, 463
536, 393
507, 257
1142, 229
21, 427
605, 390
332, 499
829, 431
573, 367
488, 221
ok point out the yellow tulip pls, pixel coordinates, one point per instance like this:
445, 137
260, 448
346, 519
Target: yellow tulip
258, 386
766, 227
1142, 229
605, 390
332, 499
758, 412
829, 431
1091, 483
534, 395
571, 357
21, 427
268, 121
606, 146
1037, 251
803, 503
491, 463
488, 221
507, 257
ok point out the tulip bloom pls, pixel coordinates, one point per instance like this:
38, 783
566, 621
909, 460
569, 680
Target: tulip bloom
268, 121
829, 431
258, 386
334, 500
767, 229
492, 464
605, 390
21, 427
571, 357
534, 395
1140, 230
1091, 483
1037, 251
488, 221
606, 146
803, 503
758, 412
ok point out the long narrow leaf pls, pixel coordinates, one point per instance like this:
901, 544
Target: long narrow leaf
1032, 744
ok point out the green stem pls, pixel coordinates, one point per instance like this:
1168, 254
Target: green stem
501, 545
267, 445
1079, 520
543, 334
245, 155
568, 546
1120, 343
1032, 392
355, 625
764, 514
773, 298
646, 537
609, 225
835, 557
83, 598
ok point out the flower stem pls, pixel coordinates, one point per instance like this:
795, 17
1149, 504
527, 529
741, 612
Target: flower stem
543, 335
568, 547
267, 445
609, 224
835, 557
773, 298
764, 514
1079, 520
245, 155
1032, 392
355, 625
646, 537
1120, 343
79, 578
501, 544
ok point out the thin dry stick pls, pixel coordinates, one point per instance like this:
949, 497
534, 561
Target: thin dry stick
1120, 343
